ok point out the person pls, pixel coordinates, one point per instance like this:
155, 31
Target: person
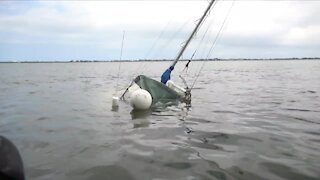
11, 166
167, 75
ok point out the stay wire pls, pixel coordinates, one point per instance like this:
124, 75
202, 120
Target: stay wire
185, 69
214, 43
163, 46
205, 33
156, 40
145, 62
200, 42
200, 27
220, 31
120, 59
173, 36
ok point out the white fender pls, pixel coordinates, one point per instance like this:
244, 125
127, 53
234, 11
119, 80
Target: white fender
176, 88
141, 99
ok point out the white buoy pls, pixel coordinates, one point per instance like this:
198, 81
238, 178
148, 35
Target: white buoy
115, 101
141, 99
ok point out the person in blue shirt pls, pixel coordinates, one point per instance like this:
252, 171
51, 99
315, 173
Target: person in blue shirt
166, 75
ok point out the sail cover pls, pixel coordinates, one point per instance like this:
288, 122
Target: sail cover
160, 92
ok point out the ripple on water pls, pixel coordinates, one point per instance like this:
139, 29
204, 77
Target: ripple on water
42, 118
105, 172
247, 122
38, 172
286, 172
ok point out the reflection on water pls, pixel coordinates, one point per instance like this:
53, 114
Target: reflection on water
115, 108
111, 172
140, 114
140, 118
249, 120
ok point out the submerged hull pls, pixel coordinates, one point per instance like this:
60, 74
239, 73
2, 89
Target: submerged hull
160, 93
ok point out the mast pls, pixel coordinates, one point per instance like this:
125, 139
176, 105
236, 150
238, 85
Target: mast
193, 33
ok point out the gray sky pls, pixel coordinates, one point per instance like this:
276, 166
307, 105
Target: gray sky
70, 30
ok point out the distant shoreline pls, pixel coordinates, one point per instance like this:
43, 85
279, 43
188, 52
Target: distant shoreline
161, 60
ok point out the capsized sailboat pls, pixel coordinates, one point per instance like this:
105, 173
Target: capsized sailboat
145, 92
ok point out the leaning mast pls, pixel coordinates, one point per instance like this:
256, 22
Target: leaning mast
193, 33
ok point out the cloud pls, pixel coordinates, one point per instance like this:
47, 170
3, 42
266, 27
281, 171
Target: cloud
274, 27
79, 22
302, 36
262, 26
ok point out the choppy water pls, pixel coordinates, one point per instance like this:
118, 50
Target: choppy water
249, 120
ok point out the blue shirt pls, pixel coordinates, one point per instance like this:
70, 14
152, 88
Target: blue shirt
166, 76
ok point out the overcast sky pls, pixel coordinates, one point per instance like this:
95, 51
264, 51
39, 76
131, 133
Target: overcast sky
93, 30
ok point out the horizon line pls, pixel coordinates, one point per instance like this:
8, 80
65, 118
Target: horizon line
158, 60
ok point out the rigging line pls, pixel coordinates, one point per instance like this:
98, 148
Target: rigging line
163, 46
144, 63
203, 36
120, 59
156, 40
208, 38
166, 44
193, 33
186, 66
124, 32
214, 42
201, 40
222, 27
198, 25
205, 31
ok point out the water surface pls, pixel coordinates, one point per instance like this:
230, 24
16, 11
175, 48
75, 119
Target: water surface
248, 120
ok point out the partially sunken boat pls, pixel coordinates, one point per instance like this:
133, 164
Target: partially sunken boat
145, 92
